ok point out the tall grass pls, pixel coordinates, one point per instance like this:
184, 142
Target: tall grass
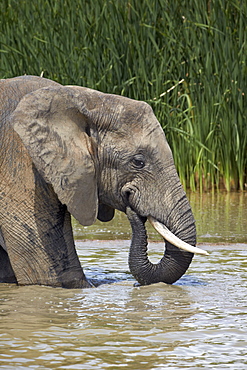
186, 58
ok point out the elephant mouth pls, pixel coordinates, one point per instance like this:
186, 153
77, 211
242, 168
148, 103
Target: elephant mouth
176, 259
128, 193
173, 239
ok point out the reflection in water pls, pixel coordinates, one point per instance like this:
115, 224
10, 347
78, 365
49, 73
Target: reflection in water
220, 217
200, 322
111, 325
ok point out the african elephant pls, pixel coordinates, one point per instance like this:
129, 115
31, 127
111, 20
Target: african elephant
69, 150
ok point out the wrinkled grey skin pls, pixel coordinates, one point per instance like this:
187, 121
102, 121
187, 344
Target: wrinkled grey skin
73, 150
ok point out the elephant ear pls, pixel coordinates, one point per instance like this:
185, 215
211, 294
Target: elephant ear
53, 124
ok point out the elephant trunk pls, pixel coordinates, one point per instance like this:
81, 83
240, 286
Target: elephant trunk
173, 264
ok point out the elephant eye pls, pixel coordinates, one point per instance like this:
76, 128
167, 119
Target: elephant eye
139, 161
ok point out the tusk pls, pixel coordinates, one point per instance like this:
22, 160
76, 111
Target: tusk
171, 238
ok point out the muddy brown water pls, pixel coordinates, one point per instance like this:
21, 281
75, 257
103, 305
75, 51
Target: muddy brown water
200, 322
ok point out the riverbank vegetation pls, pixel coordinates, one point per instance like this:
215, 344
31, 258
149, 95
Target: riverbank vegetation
186, 58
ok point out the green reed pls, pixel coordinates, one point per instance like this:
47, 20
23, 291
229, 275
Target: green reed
186, 58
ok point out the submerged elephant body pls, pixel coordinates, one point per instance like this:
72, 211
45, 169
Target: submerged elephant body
71, 150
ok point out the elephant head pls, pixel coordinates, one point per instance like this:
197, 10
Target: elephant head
88, 153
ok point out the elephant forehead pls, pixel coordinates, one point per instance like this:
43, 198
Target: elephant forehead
122, 111
151, 135
138, 133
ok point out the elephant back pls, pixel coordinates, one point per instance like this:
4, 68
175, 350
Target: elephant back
12, 91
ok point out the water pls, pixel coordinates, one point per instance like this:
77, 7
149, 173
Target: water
220, 217
201, 322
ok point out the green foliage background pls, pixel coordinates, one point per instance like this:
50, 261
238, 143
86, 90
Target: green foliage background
187, 58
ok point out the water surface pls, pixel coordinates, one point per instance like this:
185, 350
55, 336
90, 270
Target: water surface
220, 217
200, 322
